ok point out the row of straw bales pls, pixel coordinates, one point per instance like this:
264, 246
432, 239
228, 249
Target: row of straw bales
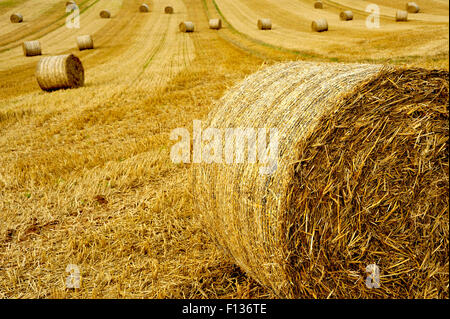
360, 176
411, 7
33, 48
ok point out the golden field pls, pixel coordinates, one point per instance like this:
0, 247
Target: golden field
85, 174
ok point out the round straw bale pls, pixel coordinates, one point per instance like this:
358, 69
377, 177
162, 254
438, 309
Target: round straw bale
264, 24
346, 15
85, 42
318, 5
144, 8
401, 15
360, 175
412, 7
31, 48
215, 24
186, 26
105, 14
168, 10
68, 3
319, 25
60, 72
16, 18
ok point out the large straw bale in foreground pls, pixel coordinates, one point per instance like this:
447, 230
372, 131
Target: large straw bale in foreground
60, 72
16, 18
31, 48
85, 42
361, 178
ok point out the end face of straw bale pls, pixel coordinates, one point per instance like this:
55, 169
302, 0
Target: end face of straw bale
16, 18
60, 72
264, 24
412, 7
318, 5
215, 24
319, 25
401, 16
144, 8
105, 14
85, 42
168, 10
31, 48
186, 26
346, 15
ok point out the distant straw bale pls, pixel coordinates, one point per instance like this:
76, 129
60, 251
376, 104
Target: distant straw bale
215, 24
31, 48
144, 8
264, 24
16, 18
401, 15
186, 26
319, 25
318, 5
105, 14
412, 7
168, 10
60, 72
85, 42
360, 176
346, 15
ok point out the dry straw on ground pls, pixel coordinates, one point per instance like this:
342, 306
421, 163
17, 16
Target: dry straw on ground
31, 48
362, 177
16, 18
401, 15
168, 10
105, 14
319, 25
186, 26
318, 5
412, 7
215, 24
144, 8
60, 72
264, 24
346, 15
85, 42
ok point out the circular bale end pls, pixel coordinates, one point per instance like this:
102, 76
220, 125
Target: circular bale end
264, 24
346, 15
85, 42
401, 16
16, 18
361, 167
105, 14
319, 25
168, 10
412, 7
31, 48
60, 72
318, 5
215, 24
144, 8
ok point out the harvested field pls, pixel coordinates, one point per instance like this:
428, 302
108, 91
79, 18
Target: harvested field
86, 176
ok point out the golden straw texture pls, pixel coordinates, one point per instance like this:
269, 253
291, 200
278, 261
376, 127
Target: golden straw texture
85, 42
16, 18
319, 25
264, 24
186, 26
361, 177
31, 48
60, 72
215, 24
